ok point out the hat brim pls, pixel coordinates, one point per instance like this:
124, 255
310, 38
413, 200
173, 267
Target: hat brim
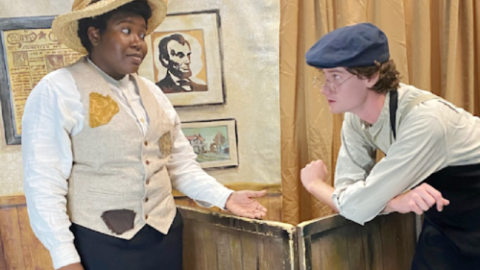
65, 26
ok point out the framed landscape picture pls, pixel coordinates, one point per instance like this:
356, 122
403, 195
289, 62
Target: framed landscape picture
214, 142
185, 59
28, 51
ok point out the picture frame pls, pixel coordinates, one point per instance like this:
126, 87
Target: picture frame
214, 142
185, 59
28, 51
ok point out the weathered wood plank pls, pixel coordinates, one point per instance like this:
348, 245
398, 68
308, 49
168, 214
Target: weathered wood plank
272, 253
190, 255
3, 260
207, 241
409, 237
396, 241
356, 253
199, 249
26, 246
331, 249
250, 253
228, 250
372, 245
11, 238
14, 200
36, 256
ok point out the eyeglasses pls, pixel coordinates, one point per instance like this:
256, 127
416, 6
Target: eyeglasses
332, 83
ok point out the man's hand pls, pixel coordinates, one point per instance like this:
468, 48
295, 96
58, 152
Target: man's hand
74, 266
418, 200
312, 174
313, 178
241, 203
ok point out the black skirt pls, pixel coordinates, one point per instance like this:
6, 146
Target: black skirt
147, 250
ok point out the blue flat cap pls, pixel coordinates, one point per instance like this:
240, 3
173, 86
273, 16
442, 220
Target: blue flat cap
358, 45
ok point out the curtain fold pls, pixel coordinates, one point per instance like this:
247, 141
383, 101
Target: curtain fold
434, 43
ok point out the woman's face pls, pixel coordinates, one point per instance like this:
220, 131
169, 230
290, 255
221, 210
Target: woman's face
121, 48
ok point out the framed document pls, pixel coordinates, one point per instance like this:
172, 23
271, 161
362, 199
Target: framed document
28, 51
214, 142
185, 58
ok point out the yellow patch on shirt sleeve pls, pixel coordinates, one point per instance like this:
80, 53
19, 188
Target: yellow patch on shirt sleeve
102, 109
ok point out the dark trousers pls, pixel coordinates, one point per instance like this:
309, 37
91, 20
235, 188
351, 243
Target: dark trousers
147, 250
435, 251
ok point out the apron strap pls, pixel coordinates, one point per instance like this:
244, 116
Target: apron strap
393, 111
413, 103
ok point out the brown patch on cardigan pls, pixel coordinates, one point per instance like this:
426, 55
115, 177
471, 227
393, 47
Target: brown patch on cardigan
119, 221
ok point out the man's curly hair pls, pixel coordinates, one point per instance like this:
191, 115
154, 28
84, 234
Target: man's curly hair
388, 76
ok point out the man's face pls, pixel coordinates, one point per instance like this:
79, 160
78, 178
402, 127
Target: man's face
344, 91
179, 64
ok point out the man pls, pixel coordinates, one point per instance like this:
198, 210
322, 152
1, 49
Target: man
432, 149
175, 54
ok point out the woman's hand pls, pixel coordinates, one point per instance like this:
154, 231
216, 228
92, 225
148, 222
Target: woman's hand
241, 203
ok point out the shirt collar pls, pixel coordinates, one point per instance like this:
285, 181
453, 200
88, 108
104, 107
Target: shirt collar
384, 116
122, 82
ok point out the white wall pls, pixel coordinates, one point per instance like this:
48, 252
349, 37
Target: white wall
10, 156
251, 72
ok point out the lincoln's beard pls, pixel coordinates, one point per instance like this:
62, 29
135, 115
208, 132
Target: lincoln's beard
177, 72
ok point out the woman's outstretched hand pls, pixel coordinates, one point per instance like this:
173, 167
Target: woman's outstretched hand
242, 203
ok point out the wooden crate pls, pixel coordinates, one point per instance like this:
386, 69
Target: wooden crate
215, 241
385, 243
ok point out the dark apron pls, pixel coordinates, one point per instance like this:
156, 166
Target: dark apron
147, 250
449, 239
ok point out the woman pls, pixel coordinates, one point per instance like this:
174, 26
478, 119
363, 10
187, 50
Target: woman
103, 147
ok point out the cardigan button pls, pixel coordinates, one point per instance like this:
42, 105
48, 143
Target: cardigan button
145, 143
146, 216
147, 162
148, 181
146, 199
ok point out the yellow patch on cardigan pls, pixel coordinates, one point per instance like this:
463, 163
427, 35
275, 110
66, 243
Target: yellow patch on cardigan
102, 109
165, 144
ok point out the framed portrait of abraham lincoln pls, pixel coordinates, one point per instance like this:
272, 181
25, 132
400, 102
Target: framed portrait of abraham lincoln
185, 59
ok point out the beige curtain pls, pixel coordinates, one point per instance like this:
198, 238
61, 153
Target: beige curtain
434, 43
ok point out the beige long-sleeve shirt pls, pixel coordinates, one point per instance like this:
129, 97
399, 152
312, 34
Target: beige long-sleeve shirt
433, 135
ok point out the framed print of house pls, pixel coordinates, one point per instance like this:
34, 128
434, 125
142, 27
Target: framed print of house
214, 142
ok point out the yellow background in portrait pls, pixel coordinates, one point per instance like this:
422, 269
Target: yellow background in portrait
197, 35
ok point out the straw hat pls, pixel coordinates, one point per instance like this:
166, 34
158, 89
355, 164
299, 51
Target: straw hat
65, 26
